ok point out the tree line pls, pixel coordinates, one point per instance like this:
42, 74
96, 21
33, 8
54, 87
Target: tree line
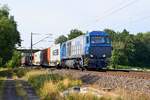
130, 49
73, 34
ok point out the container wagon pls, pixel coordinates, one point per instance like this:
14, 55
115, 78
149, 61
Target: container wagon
45, 57
55, 55
86, 51
37, 58
25, 59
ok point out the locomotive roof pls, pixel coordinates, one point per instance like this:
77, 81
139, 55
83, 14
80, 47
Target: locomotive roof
102, 33
98, 33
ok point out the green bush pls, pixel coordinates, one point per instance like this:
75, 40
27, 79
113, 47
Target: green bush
15, 60
20, 72
1, 61
6, 73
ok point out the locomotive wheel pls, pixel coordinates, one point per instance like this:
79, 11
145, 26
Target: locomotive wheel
58, 66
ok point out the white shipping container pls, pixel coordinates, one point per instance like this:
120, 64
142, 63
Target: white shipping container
55, 55
37, 58
23, 59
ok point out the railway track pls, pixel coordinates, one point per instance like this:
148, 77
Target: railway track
130, 74
123, 73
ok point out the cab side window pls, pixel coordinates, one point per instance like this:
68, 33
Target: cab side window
87, 39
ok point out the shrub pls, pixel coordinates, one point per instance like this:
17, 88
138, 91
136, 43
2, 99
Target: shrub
15, 60
20, 72
39, 80
1, 61
6, 73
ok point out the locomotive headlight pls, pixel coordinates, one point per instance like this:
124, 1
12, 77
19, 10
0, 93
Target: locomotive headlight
91, 56
104, 55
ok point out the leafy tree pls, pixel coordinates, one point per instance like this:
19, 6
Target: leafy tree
142, 49
123, 47
74, 33
9, 35
15, 60
112, 33
129, 49
61, 39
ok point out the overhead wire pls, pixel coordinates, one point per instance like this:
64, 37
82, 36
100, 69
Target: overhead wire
113, 7
117, 10
135, 21
112, 11
142, 18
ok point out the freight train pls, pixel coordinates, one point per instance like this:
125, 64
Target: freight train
86, 51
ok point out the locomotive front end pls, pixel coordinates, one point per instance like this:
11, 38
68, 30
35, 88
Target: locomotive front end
98, 49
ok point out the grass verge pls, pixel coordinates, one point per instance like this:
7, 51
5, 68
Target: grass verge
1, 88
49, 86
20, 91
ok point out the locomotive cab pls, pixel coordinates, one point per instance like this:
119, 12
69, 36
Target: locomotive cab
98, 48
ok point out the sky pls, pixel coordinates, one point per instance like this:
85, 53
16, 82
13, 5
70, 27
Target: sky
57, 17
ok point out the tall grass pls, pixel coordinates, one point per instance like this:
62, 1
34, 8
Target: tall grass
39, 80
90, 96
49, 85
49, 91
52, 89
77, 96
131, 95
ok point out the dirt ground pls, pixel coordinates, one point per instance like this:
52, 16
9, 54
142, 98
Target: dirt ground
10, 92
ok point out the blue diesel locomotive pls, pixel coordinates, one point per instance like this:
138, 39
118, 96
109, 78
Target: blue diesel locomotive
86, 51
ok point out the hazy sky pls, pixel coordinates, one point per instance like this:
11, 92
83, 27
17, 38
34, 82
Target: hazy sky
60, 16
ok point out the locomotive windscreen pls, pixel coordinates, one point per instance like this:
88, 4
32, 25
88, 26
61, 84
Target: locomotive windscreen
100, 40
